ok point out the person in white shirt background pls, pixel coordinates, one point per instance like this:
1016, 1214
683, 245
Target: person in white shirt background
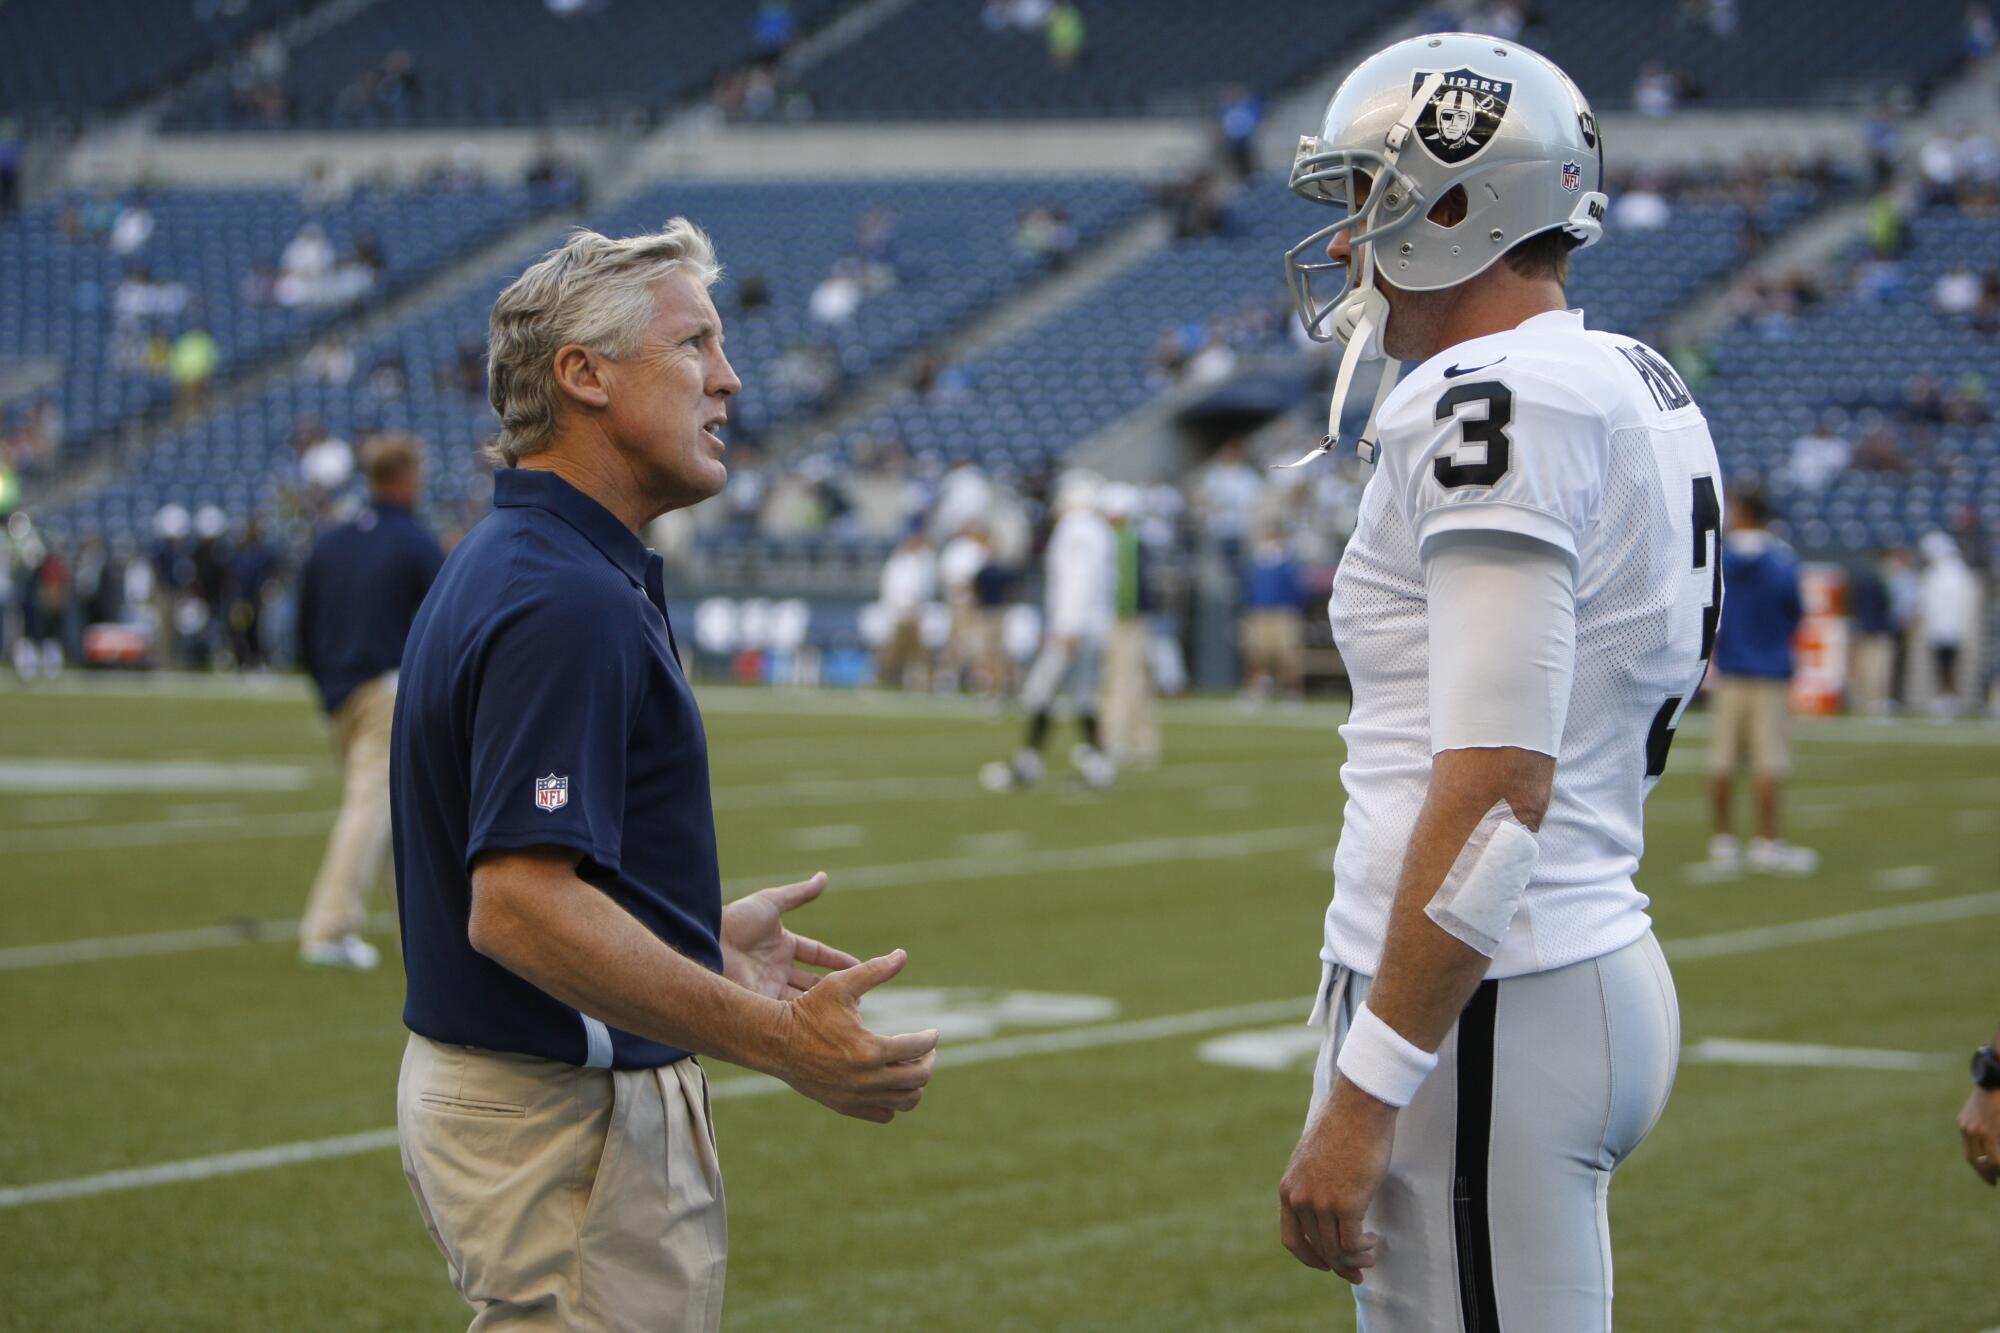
909, 581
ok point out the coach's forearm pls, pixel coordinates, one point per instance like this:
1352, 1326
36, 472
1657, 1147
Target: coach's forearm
1428, 975
537, 919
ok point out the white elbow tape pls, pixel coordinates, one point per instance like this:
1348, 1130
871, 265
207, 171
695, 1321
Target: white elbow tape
1381, 1062
1478, 899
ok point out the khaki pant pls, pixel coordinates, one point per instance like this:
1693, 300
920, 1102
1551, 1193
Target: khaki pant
1129, 732
1273, 643
1753, 716
1874, 670
903, 649
565, 1198
357, 853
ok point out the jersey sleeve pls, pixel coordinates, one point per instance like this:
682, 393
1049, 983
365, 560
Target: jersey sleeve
1507, 449
559, 684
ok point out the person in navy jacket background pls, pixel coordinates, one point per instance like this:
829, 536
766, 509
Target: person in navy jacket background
1761, 611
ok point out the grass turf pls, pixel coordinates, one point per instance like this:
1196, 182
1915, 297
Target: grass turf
1123, 1186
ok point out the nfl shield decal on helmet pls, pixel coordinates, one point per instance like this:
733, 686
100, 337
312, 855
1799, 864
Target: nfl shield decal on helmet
552, 792
1462, 114
1572, 176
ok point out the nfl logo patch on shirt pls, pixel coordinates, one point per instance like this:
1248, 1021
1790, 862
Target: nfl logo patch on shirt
551, 792
1572, 176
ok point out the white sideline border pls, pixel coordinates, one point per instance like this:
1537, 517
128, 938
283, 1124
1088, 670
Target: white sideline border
1001, 1048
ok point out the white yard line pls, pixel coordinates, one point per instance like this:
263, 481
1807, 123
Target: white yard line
162, 942
39, 775
1792, 1054
1819, 929
349, 1145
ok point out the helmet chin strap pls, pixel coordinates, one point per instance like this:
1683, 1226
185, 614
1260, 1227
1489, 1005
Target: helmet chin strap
1370, 314
1362, 321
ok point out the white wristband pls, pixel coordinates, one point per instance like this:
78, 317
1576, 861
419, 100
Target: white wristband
1378, 1060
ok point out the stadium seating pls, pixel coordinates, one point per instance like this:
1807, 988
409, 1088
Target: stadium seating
1780, 52
942, 61
1774, 382
504, 63
1085, 366
55, 64
950, 247
59, 276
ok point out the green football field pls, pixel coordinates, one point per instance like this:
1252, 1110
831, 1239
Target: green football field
194, 1129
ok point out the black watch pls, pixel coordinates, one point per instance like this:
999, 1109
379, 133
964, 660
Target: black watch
1986, 1069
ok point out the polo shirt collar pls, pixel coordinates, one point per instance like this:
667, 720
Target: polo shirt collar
536, 488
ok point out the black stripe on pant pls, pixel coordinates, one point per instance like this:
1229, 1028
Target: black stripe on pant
1471, 1217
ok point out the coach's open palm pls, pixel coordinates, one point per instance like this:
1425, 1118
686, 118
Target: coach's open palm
759, 953
1332, 1178
832, 1057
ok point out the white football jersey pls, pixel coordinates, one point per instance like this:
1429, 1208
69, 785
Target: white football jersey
1588, 441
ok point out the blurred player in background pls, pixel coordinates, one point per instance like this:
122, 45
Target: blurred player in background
1272, 631
360, 590
1131, 731
909, 581
1080, 577
1946, 593
1753, 689
1525, 608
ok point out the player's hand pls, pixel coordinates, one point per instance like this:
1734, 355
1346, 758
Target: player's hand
1979, 1126
1332, 1178
760, 954
827, 1053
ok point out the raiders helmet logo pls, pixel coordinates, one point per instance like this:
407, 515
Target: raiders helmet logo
1462, 115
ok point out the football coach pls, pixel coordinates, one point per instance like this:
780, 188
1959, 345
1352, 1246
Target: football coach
566, 946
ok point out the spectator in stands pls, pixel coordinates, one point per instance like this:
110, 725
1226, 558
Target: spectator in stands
1821, 455
909, 582
1045, 232
1986, 311
10, 167
1065, 32
1656, 91
330, 361
753, 293
1872, 614
1641, 207
325, 460
1956, 291
191, 365
1982, 36
1946, 596
257, 79
1753, 662
1272, 631
1497, 18
773, 27
358, 594
1878, 450
466, 372
1237, 120
838, 295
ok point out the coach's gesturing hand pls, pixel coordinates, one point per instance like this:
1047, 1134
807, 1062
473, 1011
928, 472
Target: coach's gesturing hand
1333, 1176
827, 1053
759, 953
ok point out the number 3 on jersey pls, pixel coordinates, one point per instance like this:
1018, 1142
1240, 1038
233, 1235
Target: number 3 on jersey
1488, 429
1707, 517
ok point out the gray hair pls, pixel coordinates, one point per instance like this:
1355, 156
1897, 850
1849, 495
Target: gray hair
591, 291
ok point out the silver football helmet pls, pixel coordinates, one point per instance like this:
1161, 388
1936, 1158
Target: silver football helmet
1450, 114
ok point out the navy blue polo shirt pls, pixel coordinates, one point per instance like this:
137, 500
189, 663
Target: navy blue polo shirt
541, 704
361, 587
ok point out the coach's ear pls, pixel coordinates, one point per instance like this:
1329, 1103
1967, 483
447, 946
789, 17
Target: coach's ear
579, 375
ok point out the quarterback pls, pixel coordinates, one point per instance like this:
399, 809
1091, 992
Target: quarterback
1527, 605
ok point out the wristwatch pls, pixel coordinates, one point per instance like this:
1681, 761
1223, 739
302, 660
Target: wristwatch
1986, 1069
